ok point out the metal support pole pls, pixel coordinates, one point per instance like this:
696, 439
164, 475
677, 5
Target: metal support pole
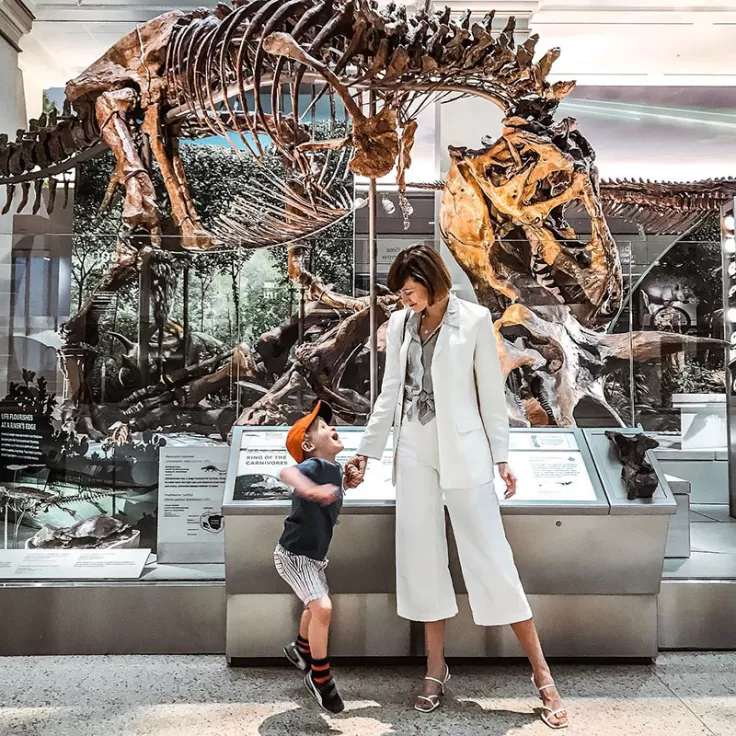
185, 316
373, 276
144, 317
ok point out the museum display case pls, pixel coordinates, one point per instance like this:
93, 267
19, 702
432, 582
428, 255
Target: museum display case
135, 463
206, 248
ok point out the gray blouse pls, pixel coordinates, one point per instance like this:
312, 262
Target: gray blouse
418, 388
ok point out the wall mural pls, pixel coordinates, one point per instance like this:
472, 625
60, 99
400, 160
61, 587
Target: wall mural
241, 72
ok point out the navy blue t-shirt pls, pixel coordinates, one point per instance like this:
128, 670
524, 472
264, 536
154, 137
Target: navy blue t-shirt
308, 528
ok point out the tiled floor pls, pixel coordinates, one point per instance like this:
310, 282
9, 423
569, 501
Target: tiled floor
681, 695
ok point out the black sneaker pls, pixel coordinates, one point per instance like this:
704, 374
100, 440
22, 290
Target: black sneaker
327, 695
292, 653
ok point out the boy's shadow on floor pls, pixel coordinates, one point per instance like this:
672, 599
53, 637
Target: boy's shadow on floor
395, 717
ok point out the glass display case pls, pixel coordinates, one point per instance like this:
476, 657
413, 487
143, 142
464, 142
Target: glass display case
127, 366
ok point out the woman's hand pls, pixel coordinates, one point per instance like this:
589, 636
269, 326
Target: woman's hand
355, 471
508, 478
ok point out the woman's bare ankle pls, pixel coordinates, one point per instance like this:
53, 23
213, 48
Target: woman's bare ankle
436, 669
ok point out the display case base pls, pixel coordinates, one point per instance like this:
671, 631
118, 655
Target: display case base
697, 614
113, 618
189, 618
366, 625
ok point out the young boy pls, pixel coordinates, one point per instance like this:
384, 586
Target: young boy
301, 554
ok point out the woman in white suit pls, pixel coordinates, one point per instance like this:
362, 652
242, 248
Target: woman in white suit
443, 392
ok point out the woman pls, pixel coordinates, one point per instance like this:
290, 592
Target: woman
443, 392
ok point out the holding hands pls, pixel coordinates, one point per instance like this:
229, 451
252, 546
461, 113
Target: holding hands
355, 471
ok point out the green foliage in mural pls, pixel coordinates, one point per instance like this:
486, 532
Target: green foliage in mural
234, 295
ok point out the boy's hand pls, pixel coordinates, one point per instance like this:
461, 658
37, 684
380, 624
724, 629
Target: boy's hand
356, 469
351, 477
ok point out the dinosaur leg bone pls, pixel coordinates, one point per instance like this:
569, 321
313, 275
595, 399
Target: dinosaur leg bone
139, 210
194, 236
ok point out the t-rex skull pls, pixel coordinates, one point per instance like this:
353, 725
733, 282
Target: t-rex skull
503, 217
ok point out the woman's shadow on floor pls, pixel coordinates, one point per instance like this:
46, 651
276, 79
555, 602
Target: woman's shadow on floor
386, 715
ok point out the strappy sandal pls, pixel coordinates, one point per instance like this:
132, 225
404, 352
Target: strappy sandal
434, 700
547, 712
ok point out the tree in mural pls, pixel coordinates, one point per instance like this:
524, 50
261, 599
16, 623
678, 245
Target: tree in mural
227, 301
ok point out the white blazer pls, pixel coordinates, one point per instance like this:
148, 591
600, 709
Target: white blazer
469, 397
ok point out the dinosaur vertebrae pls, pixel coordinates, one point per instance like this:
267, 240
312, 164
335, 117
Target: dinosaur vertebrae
48, 145
665, 207
214, 62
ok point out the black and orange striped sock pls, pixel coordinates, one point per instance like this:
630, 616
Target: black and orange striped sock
302, 646
321, 672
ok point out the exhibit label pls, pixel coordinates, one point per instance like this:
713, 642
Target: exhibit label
549, 467
191, 486
545, 475
20, 438
72, 564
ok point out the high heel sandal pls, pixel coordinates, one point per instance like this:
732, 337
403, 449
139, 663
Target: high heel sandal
547, 712
434, 700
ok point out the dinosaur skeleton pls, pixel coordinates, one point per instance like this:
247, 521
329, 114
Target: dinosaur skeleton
241, 71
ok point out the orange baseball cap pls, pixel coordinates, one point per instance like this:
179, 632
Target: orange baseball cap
296, 435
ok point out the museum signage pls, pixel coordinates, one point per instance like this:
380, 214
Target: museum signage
191, 485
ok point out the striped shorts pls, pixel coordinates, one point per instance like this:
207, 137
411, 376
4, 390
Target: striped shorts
305, 575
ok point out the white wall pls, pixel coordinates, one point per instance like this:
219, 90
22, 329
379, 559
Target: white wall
12, 117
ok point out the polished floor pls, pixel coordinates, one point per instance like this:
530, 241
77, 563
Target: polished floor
683, 694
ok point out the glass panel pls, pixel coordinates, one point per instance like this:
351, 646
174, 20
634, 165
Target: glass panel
680, 371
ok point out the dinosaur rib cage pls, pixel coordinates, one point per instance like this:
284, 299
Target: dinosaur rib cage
214, 62
221, 79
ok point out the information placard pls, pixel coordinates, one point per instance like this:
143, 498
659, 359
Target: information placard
263, 454
21, 437
72, 564
546, 475
549, 467
191, 486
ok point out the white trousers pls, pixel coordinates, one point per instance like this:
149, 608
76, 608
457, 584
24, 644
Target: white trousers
423, 583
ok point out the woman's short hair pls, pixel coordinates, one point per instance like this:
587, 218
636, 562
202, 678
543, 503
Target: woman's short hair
423, 264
